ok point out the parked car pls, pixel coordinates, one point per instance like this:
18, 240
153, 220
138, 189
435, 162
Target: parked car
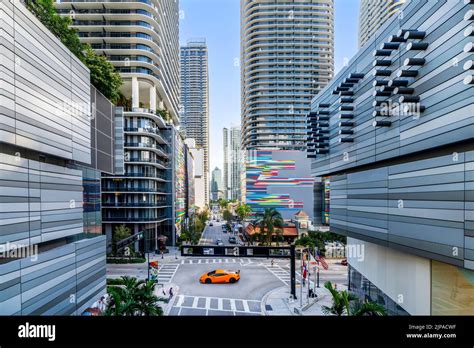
220, 276
232, 240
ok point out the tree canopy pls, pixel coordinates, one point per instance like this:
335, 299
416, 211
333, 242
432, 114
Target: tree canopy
103, 74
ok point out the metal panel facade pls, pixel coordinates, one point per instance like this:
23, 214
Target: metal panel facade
394, 132
44, 89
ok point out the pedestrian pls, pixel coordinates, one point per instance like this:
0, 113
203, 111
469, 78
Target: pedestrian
162, 254
273, 262
171, 293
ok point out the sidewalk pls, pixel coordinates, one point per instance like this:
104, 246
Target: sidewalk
279, 302
159, 292
173, 256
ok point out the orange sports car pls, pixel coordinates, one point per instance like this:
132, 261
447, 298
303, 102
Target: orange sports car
220, 276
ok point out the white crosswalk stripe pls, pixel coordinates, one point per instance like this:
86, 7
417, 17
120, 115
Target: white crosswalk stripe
166, 272
281, 274
218, 304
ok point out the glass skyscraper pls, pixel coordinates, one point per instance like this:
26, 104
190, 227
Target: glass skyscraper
195, 99
287, 57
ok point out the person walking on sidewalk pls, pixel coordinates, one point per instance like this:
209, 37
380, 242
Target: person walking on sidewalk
171, 293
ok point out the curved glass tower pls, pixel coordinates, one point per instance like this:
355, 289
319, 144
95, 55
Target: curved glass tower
287, 57
373, 14
141, 39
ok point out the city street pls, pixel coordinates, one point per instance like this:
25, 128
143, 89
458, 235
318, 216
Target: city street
213, 233
258, 277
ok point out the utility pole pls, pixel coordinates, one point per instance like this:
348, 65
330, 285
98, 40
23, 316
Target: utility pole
293, 270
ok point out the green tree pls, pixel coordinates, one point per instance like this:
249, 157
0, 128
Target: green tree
269, 223
340, 301
227, 215
120, 233
346, 303
45, 11
243, 211
102, 73
133, 298
223, 204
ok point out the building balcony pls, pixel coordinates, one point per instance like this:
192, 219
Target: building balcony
154, 132
134, 205
126, 219
135, 190
161, 164
160, 150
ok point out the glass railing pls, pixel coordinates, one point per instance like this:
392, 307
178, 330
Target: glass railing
145, 175
134, 205
134, 219
132, 189
144, 145
147, 160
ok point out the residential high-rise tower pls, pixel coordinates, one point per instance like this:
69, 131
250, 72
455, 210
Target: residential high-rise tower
287, 57
225, 179
141, 39
373, 14
235, 167
195, 99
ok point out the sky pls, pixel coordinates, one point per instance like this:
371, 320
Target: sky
218, 21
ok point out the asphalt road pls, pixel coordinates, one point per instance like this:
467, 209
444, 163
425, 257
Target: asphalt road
241, 298
213, 233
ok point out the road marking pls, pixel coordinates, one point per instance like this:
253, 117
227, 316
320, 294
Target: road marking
195, 302
180, 301
246, 306
166, 272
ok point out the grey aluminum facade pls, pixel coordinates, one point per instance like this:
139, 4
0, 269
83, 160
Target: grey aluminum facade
394, 130
45, 132
287, 56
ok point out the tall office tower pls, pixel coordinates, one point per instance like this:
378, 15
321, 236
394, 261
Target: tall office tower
216, 184
235, 169
195, 99
373, 14
225, 179
287, 57
141, 39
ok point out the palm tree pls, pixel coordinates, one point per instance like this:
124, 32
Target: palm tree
341, 304
340, 301
368, 309
133, 298
269, 222
147, 300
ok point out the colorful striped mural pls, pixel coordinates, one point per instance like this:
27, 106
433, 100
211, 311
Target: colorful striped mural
264, 175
